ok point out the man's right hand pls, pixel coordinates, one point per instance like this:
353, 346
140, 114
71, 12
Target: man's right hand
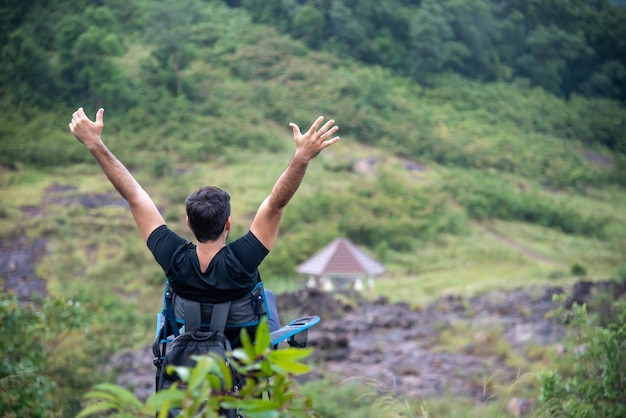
313, 141
85, 130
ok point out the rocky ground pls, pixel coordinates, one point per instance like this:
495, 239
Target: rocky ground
397, 349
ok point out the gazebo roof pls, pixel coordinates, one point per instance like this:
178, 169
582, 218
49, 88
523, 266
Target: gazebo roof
341, 258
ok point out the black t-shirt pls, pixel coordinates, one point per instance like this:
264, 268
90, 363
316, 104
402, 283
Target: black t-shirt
232, 273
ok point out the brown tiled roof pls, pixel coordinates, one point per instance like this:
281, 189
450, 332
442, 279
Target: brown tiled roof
341, 258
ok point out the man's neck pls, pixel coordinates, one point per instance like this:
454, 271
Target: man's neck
206, 251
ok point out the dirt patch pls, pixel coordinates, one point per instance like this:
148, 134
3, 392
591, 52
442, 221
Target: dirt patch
529, 253
19, 255
17, 260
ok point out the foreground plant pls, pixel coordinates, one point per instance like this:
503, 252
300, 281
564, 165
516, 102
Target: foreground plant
205, 389
597, 387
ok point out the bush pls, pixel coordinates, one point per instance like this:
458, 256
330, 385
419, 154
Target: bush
578, 270
28, 371
597, 386
485, 196
25, 388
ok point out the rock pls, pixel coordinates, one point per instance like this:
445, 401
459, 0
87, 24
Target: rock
519, 407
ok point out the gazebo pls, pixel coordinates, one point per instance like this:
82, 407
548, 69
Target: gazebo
341, 259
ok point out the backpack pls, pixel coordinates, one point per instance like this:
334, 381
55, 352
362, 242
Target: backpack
181, 333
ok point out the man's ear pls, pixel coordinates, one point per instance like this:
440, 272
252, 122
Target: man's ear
227, 225
187, 222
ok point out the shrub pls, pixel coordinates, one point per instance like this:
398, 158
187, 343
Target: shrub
485, 196
578, 270
28, 372
597, 386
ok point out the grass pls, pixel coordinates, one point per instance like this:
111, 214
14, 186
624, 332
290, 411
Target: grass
494, 254
460, 267
332, 398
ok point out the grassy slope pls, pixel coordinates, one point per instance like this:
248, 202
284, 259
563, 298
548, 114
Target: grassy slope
102, 244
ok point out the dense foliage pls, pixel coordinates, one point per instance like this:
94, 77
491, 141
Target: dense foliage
596, 385
65, 51
566, 47
42, 367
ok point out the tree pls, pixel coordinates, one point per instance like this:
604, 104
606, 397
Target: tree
431, 43
25, 70
170, 27
551, 51
86, 43
12, 15
475, 26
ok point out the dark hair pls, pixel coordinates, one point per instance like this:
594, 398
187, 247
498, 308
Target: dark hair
208, 209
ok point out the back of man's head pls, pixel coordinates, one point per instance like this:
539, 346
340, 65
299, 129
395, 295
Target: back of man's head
208, 209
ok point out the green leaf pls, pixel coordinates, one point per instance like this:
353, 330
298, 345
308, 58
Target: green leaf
97, 407
291, 354
262, 339
172, 396
286, 359
247, 345
258, 405
97, 394
291, 367
242, 355
214, 381
123, 395
181, 371
199, 371
225, 373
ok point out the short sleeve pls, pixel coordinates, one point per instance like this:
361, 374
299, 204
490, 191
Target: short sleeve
163, 243
249, 251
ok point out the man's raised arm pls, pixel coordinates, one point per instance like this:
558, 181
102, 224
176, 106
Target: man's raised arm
145, 212
308, 146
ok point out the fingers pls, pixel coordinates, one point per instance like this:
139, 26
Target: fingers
77, 116
331, 141
296, 129
319, 134
327, 126
80, 115
100, 116
316, 124
84, 129
327, 130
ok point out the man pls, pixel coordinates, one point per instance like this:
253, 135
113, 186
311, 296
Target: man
208, 271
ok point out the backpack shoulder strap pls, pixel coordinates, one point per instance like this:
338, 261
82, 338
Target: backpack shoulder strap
193, 315
219, 316
192, 311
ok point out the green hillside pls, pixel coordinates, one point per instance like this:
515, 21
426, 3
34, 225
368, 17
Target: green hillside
456, 185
